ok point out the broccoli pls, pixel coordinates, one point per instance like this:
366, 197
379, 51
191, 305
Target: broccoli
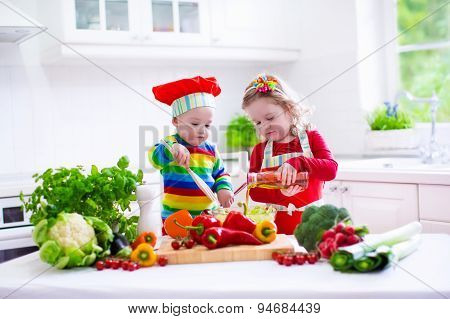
71, 240
316, 220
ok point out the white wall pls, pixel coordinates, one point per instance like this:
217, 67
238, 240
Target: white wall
328, 33
52, 116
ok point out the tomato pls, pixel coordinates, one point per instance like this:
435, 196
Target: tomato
100, 265
125, 265
175, 244
275, 255
288, 260
108, 262
162, 261
189, 243
115, 264
280, 259
300, 259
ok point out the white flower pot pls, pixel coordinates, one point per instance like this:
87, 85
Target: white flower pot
392, 139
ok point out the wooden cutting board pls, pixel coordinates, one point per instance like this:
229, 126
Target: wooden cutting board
201, 254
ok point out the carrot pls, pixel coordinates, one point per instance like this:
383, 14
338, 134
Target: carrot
183, 218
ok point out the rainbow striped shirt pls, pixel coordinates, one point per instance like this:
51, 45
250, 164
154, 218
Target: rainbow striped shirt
180, 190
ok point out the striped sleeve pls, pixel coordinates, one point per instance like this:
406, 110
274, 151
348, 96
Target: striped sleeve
159, 156
221, 177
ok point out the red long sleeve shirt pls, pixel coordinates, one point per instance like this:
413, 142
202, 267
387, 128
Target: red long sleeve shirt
322, 166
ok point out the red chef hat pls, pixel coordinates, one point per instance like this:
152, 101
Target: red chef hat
187, 94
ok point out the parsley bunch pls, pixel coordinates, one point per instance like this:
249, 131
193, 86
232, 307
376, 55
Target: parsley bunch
104, 194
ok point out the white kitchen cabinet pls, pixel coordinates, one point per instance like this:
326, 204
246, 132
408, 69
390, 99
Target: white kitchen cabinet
434, 203
132, 22
380, 206
255, 24
332, 193
139, 31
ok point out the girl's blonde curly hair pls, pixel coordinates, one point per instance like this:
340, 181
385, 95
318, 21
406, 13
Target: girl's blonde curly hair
282, 95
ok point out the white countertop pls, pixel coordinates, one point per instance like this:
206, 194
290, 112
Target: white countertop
424, 274
393, 170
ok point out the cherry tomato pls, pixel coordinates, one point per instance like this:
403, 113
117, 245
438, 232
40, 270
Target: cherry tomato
275, 255
189, 243
280, 259
300, 259
115, 264
162, 261
108, 262
100, 265
176, 244
125, 265
136, 265
288, 261
312, 258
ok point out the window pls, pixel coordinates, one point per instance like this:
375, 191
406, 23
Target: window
424, 55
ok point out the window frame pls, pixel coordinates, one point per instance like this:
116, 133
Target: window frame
406, 48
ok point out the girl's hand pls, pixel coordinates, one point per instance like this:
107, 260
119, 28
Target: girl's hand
225, 197
287, 174
181, 155
291, 190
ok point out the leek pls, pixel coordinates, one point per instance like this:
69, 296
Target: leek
378, 251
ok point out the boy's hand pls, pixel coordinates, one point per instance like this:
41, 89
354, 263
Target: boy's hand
225, 197
181, 155
287, 174
291, 190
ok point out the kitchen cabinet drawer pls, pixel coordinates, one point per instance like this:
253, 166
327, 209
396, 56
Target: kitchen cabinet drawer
430, 226
434, 202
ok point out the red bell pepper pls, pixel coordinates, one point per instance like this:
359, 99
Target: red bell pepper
237, 221
217, 237
200, 224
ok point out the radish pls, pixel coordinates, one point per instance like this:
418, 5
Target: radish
330, 233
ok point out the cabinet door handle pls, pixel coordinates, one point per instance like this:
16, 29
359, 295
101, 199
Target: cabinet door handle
344, 189
333, 188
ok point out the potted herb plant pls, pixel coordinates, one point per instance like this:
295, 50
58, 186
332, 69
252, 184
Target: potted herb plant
391, 128
241, 134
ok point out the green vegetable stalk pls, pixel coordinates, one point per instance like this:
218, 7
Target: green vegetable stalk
69, 240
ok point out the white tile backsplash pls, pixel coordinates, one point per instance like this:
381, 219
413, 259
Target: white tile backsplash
60, 115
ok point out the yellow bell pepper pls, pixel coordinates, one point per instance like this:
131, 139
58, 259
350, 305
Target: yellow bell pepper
265, 231
144, 255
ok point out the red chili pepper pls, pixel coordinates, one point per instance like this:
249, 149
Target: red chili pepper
200, 224
237, 221
217, 237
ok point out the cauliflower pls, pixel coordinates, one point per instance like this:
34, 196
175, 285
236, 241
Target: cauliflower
74, 231
71, 240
